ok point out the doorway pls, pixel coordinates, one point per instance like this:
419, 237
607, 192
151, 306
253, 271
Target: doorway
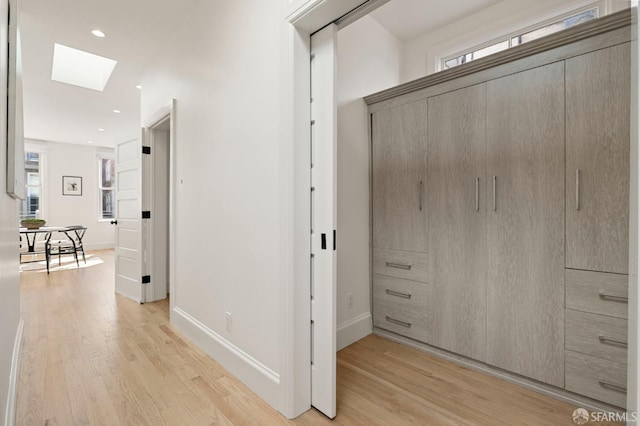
156, 203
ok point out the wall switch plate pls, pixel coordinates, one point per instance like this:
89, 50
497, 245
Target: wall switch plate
228, 321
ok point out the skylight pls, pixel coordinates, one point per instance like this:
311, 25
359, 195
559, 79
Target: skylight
80, 68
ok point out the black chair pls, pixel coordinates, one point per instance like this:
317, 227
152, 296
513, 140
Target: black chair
71, 245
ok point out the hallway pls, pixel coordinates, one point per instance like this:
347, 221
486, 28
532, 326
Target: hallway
91, 357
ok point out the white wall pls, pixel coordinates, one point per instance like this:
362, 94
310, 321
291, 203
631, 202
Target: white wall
368, 61
10, 319
420, 56
62, 159
223, 67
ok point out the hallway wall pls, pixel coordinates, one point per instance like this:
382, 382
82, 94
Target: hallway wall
223, 67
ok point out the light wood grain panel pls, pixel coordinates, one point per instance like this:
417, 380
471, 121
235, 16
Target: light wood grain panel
402, 264
525, 145
597, 292
596, 378
457, 220
403, 306
598, 88
596, 335
399, 155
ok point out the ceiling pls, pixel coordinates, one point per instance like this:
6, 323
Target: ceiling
408, 19
135, 31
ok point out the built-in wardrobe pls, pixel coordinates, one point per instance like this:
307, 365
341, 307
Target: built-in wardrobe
500, 200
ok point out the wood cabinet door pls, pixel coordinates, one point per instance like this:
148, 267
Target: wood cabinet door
457, 220
597, 174
399, 154
525, 232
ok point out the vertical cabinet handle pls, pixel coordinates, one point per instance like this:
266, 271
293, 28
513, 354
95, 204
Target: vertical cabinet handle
494, 193
477, 194
420, 197
578, 189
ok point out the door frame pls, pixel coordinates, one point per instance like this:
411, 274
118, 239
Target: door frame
163, 113
305, 17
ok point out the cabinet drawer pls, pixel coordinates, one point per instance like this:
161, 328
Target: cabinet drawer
596, 335
596, 292
596, 378
402, 306
402, 264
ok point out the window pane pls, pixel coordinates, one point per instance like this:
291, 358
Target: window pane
107, 167
107, 203
477, 54
30, 206
557, 26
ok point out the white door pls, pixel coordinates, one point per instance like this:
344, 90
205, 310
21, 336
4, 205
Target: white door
323, 220
128, 252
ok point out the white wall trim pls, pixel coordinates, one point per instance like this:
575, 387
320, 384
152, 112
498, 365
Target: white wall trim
257, 376
353, 330
12, 397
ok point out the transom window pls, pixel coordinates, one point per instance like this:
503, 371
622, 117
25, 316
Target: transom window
520, 38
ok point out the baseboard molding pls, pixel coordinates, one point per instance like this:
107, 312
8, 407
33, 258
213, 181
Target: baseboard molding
353, 330
548, 390
12, 397
258, 377
99, 246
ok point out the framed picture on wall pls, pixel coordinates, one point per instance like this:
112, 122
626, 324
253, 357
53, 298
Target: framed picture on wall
71, 185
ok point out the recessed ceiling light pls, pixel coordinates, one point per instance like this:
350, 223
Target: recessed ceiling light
101, 130
117, 111
98, 33
139, 86
80, 68
90, 141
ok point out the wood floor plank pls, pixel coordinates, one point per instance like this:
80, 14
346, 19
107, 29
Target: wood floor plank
92, 357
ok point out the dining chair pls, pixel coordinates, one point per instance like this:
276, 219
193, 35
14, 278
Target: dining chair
71, 245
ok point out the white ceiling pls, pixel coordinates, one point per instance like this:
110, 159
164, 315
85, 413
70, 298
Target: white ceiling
408, 19
135, 30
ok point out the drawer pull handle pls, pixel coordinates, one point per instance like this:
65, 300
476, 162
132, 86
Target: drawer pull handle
398, 265
606, 340
604, 295
398, 294
398, 322
612, 387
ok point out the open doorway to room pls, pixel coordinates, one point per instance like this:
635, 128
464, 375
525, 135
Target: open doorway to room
373, 48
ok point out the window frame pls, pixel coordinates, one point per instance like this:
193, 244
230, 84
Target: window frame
601, 7
41, 150
99, 157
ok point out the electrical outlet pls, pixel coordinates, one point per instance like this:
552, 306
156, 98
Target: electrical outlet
350, 300
228, 321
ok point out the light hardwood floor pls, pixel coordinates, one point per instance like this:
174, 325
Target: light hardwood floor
91, 357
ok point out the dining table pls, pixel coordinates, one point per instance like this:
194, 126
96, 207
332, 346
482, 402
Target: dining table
31, 236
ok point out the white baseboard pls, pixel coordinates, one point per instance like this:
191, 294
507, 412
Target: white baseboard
12, 398
258, 377
99, 246
353, 330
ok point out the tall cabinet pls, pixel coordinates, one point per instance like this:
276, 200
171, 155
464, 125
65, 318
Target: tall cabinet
457, 220
500, 211
597, 214
525, 232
